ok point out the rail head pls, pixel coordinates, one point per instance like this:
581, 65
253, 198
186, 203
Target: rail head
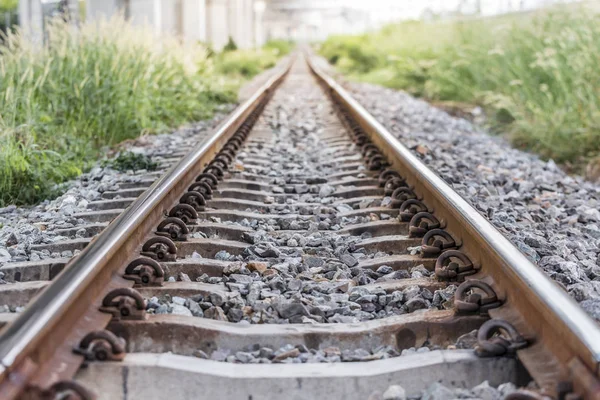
35, 337
560, 324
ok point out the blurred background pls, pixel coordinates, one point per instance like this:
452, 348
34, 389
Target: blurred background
251, 23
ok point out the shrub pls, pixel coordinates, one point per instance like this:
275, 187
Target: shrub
245, 63
279, 47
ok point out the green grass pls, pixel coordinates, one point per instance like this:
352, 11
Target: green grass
246, 64
535, 74
63, 104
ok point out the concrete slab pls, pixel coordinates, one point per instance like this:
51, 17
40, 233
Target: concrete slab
167, 376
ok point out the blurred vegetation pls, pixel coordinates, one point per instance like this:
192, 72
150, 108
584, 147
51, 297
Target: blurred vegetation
230, 46
246, 64
8, 16
535, 74
62, 104
8, 5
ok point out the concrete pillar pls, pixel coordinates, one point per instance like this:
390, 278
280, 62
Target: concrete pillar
97, 9
217, 23
249, 23
194, 20
240, 16
147, 12
170, 15
232, 22
144, 12
259, 23
31, 19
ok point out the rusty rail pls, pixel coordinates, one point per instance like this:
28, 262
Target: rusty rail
564, 340
36, 350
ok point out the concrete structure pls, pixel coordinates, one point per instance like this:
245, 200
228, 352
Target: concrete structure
211, 21
184, 377
33, 13
310, 20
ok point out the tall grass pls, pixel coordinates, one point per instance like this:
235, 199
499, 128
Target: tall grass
62, 103
536, 74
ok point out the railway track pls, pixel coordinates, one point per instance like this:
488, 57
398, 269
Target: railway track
299, 252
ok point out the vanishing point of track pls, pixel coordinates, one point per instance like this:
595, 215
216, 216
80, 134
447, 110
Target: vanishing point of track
300, 236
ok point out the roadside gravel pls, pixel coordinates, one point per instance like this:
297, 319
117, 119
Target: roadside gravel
553, 218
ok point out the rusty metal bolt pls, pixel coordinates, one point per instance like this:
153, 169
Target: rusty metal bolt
102, 345
184, 212
209, 178
393, 184
376, 162
145, 271
203, 188
409, 208
124, 303
435, 241
468, 301
400, 195
173, 228
194, 199
454, 265
421, 223
489, 345
160, 248
386, 175
214, 169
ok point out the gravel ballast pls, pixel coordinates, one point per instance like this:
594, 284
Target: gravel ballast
308, 274
553, 218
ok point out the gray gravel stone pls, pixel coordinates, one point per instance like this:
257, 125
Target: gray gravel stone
394, 392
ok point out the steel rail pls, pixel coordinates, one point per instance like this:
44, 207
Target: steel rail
60, 315
544, 310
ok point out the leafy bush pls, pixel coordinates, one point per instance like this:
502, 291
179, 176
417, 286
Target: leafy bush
245, 63
61, 104
355, 54
535, 74
279, 47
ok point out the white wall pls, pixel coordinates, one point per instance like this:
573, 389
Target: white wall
194, 20
102, 8
31, 19
143, 12
218, 23
212, 21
